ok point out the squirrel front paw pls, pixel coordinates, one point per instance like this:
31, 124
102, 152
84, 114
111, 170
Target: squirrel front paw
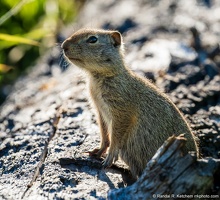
111, 158
97, 152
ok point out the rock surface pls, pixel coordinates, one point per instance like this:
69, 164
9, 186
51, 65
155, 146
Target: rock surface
47, 125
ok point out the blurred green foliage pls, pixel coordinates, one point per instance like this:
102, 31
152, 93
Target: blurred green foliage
27, 29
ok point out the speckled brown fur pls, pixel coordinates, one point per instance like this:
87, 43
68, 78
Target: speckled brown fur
135, 118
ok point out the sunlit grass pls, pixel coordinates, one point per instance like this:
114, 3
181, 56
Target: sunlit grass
28, 28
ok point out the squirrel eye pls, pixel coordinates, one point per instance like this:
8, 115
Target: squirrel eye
92, 39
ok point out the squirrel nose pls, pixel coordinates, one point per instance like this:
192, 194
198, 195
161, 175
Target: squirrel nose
65, 45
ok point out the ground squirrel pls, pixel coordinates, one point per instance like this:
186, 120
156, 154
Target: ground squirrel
135, 118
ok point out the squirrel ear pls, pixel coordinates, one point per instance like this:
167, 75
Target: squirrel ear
116, 38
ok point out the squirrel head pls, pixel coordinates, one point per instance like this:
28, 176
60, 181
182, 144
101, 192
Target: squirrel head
96, 51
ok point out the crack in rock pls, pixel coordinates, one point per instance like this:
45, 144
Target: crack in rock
43, 155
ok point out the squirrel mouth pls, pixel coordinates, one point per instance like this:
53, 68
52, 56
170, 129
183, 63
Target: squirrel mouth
71, 58
74, 59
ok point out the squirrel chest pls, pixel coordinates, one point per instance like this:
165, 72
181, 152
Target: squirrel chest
100, 103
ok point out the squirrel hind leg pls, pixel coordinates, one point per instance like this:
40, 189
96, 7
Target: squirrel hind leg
136, 167
136, 170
